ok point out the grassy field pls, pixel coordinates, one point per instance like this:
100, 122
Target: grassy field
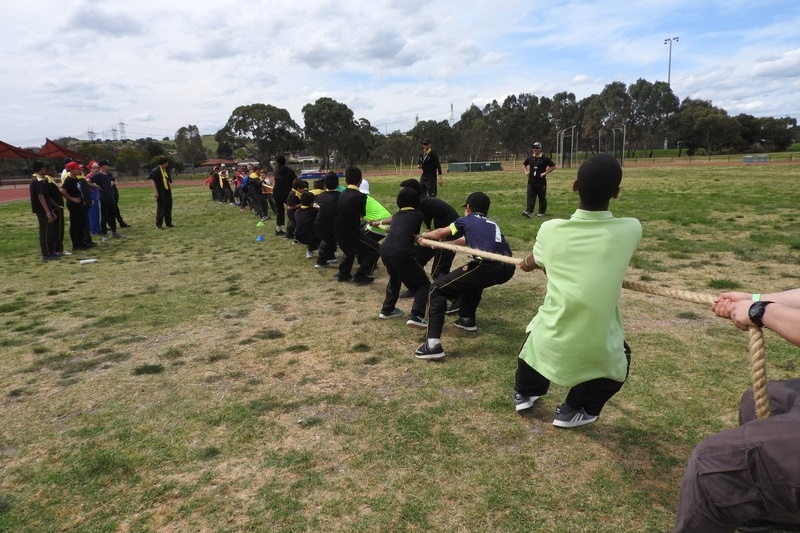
197, 380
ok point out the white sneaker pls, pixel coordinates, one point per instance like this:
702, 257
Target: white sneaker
309, 255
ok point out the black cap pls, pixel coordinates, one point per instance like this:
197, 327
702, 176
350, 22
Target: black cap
104, 163
425, 141
478, 201
537, 145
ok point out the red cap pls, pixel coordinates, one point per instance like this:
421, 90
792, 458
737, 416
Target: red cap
74, 165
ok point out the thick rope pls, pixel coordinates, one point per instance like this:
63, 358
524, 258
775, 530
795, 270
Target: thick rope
756, 335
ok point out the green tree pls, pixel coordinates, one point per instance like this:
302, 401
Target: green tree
329, 125
440, 134
651, 106
189, 145
358, 147
262, 130
130, 161
397, 148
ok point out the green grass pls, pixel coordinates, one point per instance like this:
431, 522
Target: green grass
195, 380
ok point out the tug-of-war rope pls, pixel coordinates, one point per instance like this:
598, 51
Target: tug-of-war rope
758, 368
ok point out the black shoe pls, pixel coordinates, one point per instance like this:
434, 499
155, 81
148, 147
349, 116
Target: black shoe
416, 321
337, 277
124, 225
159, 227
363, 279
280, 232
170, 225
91, 245
467, 324
757, 526
423, 352
51, 257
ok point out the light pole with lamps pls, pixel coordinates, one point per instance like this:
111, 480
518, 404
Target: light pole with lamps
669, 67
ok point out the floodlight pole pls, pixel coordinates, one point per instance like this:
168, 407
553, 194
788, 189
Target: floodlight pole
669, 67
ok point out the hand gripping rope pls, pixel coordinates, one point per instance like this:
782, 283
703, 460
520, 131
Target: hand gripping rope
758, 368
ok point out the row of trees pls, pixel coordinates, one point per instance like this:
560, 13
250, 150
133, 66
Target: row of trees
649, 113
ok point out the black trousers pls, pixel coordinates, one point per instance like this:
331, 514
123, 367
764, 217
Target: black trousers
48, 235
327, 247
428, 186
590, 395
107, 219
467, 282
537, 189
279, 208
164, 208
405, 270
366, 249
78, 225
442, 260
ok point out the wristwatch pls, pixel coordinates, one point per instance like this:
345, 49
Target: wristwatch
756, 312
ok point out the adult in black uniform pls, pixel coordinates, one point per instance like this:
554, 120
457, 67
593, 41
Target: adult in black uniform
284, 177
327, 202
537, 166
348, 229
162, 186
428, 162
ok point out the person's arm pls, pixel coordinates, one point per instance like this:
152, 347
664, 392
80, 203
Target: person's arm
780, 318
46, 206
789, 297
527, 169
528, 264
437, 234
155, 187
548, 170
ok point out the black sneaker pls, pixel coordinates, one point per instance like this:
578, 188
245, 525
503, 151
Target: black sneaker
423, 352
362, 279
337, 277
757, 526
467, 324
526, 214
416, 321
454, 308
522, 402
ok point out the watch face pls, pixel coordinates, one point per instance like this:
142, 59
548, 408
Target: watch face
756, 313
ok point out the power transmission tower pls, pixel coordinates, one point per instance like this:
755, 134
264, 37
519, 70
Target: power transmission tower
122, 130
452, 115
113, 133
90, 133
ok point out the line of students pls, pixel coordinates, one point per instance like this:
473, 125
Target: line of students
90, 199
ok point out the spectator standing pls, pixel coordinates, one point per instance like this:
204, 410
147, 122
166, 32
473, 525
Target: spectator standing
162, 187
537, 166
428, 162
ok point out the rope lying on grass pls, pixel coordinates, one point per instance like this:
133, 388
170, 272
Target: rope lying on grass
756, 336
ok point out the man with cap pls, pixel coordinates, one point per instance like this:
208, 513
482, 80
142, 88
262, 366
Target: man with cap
468, 281
77, 194
537, 166
428, 162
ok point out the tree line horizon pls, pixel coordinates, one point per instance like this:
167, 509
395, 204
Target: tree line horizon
649, 114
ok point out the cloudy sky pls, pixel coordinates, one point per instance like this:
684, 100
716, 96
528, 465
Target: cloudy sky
71, 66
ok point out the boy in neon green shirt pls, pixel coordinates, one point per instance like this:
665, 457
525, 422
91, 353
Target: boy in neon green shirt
576, 338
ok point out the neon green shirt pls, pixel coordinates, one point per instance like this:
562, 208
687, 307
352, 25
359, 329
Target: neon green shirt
577, 334
375, 211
